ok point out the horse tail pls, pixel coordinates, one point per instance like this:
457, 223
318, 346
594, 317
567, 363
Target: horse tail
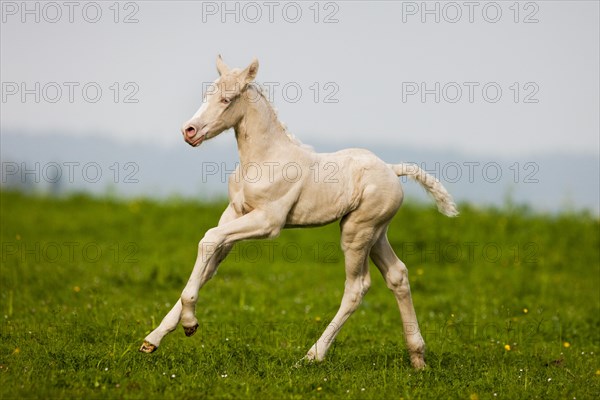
442, 198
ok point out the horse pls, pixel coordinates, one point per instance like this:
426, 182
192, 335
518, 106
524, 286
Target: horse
298, 187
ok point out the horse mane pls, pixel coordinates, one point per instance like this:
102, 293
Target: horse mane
289, 135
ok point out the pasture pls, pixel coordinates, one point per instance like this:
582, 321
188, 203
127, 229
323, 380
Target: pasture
508, 301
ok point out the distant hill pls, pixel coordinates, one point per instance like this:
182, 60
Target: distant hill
61, 163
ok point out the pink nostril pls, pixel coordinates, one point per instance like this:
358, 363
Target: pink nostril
190, 131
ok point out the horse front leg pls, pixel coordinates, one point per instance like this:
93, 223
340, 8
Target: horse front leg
205, 267
254, 225
170, 321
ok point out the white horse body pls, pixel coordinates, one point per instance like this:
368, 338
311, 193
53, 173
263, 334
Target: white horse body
322, 187
280, 184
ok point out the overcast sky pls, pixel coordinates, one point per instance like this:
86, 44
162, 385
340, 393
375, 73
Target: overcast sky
509, 79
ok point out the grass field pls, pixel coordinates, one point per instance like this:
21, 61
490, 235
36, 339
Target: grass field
508, 301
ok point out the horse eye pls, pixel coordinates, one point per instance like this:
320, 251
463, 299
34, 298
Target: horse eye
225, 100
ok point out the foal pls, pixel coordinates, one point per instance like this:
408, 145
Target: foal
298, 187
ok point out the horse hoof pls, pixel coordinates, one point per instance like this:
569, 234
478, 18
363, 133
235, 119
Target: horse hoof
418, 363
304, 361
148, 347
190, 331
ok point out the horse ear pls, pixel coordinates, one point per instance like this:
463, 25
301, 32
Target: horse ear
250, 72
222, 68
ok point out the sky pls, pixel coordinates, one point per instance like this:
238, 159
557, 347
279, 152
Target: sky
483, 79
358, 72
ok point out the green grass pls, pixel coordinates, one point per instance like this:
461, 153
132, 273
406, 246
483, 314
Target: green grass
83, 280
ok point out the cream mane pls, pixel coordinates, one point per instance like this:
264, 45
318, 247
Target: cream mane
290, 136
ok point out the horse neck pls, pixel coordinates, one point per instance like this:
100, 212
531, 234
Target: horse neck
259, 133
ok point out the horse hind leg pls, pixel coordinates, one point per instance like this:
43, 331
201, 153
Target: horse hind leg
395, 274
356, 241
